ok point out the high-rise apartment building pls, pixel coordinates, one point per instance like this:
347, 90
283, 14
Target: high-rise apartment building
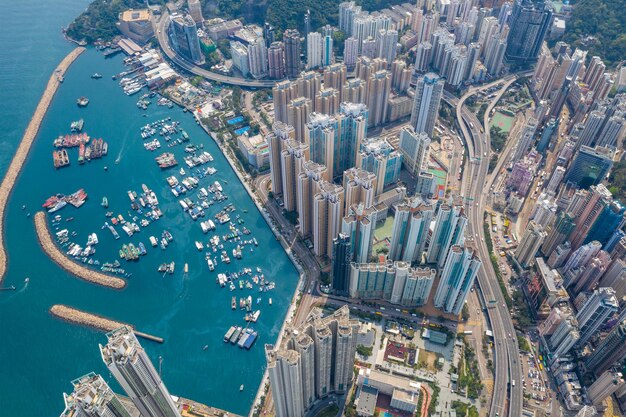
281, 96
313, 361
257, 58
281, 132
378, 89
353, 122
450, 223
291, 39
395, 282
327, 101
350, 52
276, 60
409, 234
590, 166
335, 77
558, 234
359, 224
428, 93
415, 148
313, 50
609, 352
92, 397
380, 158
529, 23
359, 188
307, 185
133, 370
595, 312
327, 217
387, 44
195, 10
342, 258
533, 237
322, 135
354, 91
457, 278
292, 159
603, 387
328, 56
298, 111
184, 37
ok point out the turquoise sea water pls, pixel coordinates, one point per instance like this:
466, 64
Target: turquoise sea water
41, 355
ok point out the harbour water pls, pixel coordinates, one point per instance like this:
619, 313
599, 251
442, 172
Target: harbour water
40, 354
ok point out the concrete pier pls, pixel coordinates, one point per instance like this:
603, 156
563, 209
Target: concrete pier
24, 147
74, 268
84, 318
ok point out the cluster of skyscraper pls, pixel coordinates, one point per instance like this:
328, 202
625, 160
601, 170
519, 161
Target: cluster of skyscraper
572, 249
132, 369
314, 360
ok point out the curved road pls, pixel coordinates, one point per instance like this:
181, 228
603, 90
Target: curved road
161, 25
506, 351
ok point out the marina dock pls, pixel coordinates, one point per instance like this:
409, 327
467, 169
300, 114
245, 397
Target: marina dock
27, 140
84, 318
50, 248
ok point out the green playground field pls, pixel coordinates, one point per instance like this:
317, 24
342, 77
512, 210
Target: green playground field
504, 122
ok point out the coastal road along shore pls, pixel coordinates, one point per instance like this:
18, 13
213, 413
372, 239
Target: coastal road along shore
84, 318
24, 147
51, 249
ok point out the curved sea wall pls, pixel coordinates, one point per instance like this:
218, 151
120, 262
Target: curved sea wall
74, 268
24, 147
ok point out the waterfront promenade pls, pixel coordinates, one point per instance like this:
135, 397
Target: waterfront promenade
84, 318
24, 147
54, 253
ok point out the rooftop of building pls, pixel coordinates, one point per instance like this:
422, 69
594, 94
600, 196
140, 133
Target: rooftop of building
135, 15
367, 401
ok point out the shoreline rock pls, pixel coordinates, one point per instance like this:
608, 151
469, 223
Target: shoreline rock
23, 148
54, 253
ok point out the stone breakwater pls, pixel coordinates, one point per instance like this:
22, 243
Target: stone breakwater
24, 147
51, 249
84, 318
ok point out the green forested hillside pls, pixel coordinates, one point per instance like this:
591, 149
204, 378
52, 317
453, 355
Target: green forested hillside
98, 20
285, 14
600, 27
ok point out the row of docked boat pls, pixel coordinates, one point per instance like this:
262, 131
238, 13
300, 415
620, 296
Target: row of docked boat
58, 201
167, 268
130, 252
166, 160
242, 337
71, 141
194, 160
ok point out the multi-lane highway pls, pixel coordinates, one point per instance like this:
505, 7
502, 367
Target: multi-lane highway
161, 28
506, 399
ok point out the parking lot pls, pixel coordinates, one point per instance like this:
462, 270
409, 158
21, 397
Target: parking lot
532, 381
